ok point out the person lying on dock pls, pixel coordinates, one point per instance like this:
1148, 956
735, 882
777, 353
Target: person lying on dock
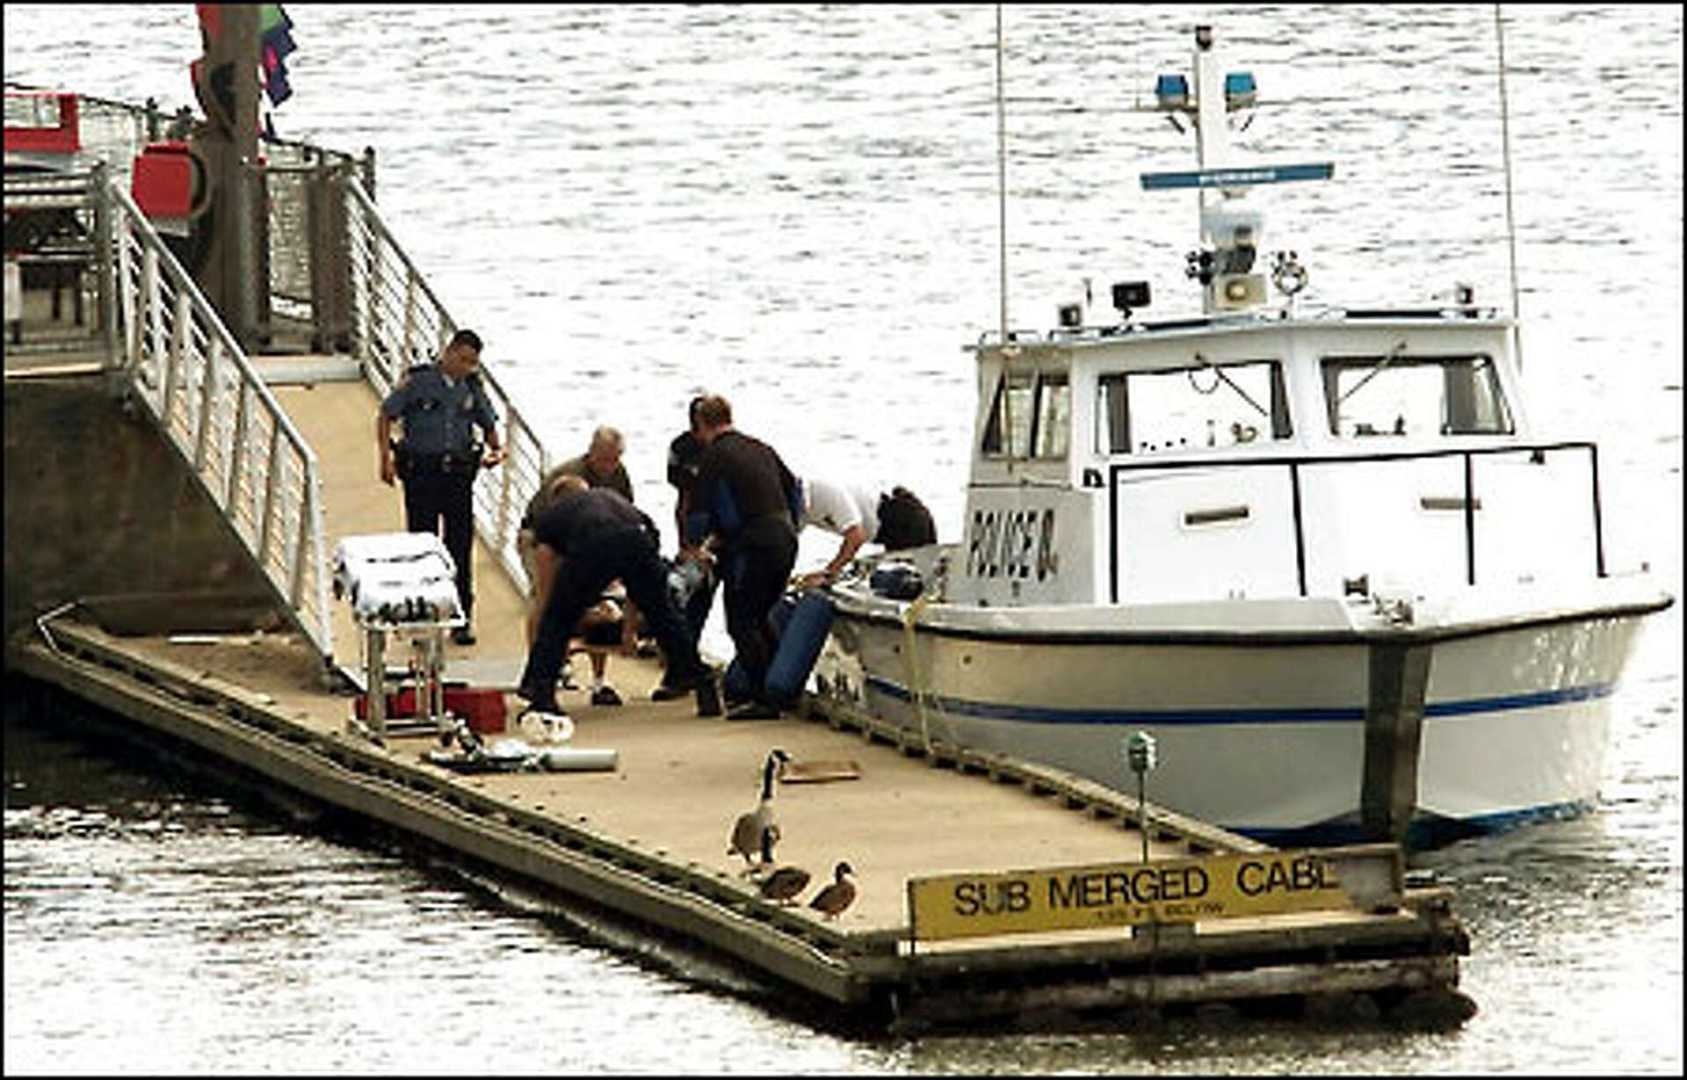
595, 537
607, 624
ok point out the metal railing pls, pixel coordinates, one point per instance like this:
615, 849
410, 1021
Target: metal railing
194, 379
398, 322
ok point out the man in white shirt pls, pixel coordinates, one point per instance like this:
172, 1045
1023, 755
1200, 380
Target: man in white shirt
854, 513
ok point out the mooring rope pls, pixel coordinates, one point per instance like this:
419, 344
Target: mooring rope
916, 684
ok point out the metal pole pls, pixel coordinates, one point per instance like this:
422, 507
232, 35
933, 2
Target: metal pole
1510, 220
1002, 235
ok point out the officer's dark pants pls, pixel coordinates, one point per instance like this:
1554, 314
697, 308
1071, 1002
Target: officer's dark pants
431, 495
627, 554
756, 569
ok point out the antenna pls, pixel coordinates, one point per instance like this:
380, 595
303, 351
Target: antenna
1002, 232
1510, 221
1001, 178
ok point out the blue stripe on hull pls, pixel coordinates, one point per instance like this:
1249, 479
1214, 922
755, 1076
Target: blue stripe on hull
1425, 831
985, 710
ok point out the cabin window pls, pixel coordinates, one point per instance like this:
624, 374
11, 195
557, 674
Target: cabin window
1191, 407
1035, 411
1399, 395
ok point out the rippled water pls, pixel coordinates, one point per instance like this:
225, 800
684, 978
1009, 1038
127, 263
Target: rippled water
796, 206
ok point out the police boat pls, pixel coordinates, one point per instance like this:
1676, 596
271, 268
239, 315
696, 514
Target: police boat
1320, 556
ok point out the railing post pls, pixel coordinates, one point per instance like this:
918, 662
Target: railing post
175, 367
237, 458
1469, 519
106, 297
272, 485
154, 315
302, 548
207, 398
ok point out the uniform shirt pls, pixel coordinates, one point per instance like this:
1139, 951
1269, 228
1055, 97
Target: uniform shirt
835, 507
439, 414
580, 519
742, 483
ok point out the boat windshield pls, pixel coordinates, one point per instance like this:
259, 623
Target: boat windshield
1201, 405
1414, 396
1034, 409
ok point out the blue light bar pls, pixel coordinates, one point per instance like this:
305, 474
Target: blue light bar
1172, 91
1237, 177
1239, 90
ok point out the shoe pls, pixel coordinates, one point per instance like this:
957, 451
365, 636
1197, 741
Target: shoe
664, 692
605, 695
462, 636
708, 698
754, 710
566, 681
537, 701
673, 686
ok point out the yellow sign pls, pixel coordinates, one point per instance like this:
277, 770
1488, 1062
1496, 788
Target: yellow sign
1129, 894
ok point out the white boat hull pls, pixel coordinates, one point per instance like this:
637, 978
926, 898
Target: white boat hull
1263, 738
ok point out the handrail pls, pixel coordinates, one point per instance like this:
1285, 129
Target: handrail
398, 321
185, 366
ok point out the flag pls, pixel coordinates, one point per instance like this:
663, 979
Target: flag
275, 41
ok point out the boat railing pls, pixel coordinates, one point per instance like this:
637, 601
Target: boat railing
398, 322
1467, 515
190, 373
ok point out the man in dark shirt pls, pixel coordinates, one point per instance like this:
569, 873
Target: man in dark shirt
746, 506
685, 453
597, 536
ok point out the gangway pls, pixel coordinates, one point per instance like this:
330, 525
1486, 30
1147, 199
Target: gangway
254, 432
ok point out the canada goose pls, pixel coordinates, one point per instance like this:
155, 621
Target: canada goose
784, 883
838, 895
748, 829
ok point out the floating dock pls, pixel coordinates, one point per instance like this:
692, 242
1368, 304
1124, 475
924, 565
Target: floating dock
649, 840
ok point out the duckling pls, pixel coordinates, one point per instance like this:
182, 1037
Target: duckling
784, 883
838, 895
748, 830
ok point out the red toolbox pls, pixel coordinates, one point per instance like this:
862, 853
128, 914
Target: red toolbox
481, 706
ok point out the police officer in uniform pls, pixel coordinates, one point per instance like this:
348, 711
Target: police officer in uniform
440, 405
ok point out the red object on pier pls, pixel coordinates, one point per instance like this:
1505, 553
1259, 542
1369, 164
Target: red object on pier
168, 181
483, 707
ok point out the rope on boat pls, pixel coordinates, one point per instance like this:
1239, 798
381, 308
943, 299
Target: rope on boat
916, 684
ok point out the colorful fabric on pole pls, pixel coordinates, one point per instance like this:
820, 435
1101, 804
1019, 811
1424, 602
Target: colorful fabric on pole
275, 41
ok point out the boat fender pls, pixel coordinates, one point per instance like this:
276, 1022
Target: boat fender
896, 581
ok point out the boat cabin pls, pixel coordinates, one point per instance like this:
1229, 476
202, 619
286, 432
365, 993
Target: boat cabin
1247, 457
